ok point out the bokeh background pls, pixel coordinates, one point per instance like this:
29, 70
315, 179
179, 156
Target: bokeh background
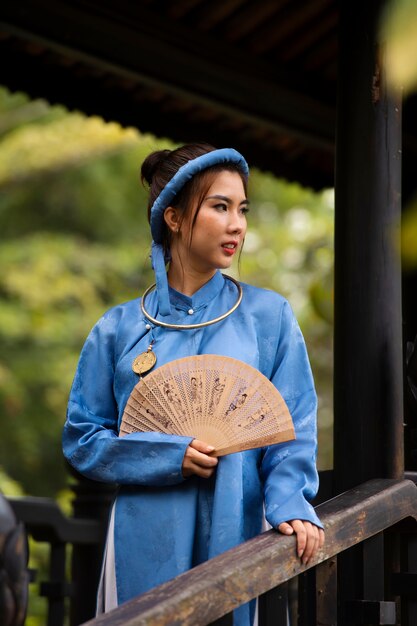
75, 241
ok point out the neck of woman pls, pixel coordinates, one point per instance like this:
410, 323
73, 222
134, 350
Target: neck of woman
187, 280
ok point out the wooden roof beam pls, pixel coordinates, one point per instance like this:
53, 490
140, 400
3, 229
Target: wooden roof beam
183, 63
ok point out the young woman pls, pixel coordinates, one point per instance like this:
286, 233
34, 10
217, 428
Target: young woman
176, 505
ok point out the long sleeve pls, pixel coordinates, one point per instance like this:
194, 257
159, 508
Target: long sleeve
90, 438
289, 469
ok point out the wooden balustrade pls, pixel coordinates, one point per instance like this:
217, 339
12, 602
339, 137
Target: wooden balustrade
212, 590
260, 567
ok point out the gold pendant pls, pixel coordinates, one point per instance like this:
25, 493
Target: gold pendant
144, 361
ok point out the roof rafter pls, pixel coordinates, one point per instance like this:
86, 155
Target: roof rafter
182, 63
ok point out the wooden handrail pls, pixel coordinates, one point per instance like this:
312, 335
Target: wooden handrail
213, 589
48, 523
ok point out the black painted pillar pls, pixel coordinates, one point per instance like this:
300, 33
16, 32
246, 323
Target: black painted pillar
368, 385
368, 380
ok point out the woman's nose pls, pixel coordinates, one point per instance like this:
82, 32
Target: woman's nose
236, 222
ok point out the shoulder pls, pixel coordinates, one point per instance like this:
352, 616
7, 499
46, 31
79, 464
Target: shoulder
265, 295
268, 304
120, 314
131, 307
111, 331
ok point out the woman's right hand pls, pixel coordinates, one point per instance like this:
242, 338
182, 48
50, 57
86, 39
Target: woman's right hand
196, 460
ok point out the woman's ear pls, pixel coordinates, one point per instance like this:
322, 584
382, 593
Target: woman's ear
172, 219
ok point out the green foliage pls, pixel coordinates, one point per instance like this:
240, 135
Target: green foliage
76, 241
8, 485
399, 37
409, 236
289, 248
35, 151
53, 288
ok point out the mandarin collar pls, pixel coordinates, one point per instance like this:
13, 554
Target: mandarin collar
200, 298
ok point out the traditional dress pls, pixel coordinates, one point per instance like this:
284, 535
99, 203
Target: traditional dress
165, 524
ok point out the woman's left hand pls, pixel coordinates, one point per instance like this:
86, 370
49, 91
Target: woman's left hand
310, 538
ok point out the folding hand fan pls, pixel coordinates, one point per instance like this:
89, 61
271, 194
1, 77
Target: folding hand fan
217, 399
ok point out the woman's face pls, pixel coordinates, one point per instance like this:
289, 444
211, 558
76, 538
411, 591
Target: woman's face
219, 229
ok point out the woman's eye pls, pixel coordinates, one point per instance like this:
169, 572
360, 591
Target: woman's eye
221, 207
244, 209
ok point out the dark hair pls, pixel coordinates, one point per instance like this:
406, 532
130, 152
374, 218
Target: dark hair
160, 166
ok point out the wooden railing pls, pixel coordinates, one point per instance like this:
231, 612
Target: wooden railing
258, 567
85, 533
265, 567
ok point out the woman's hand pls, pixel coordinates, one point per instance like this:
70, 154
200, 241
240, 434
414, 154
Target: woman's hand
310, 538
197, 461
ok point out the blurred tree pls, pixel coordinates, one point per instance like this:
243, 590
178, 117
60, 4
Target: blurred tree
76, 241
398, 34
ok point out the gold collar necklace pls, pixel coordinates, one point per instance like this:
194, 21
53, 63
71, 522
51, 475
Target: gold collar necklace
192, 326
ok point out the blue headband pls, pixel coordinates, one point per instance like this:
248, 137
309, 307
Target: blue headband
167, 195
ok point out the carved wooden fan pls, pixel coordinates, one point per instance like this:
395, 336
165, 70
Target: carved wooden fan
217, 399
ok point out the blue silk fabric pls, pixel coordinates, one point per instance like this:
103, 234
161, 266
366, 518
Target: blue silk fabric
165, 524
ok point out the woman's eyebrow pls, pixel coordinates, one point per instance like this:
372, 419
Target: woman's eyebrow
226, 199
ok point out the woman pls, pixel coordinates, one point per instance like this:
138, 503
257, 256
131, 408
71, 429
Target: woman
177, 506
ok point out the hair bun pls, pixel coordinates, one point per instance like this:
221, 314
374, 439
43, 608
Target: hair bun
151, 165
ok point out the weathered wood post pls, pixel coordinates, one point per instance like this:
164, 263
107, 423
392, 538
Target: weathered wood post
368, 382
